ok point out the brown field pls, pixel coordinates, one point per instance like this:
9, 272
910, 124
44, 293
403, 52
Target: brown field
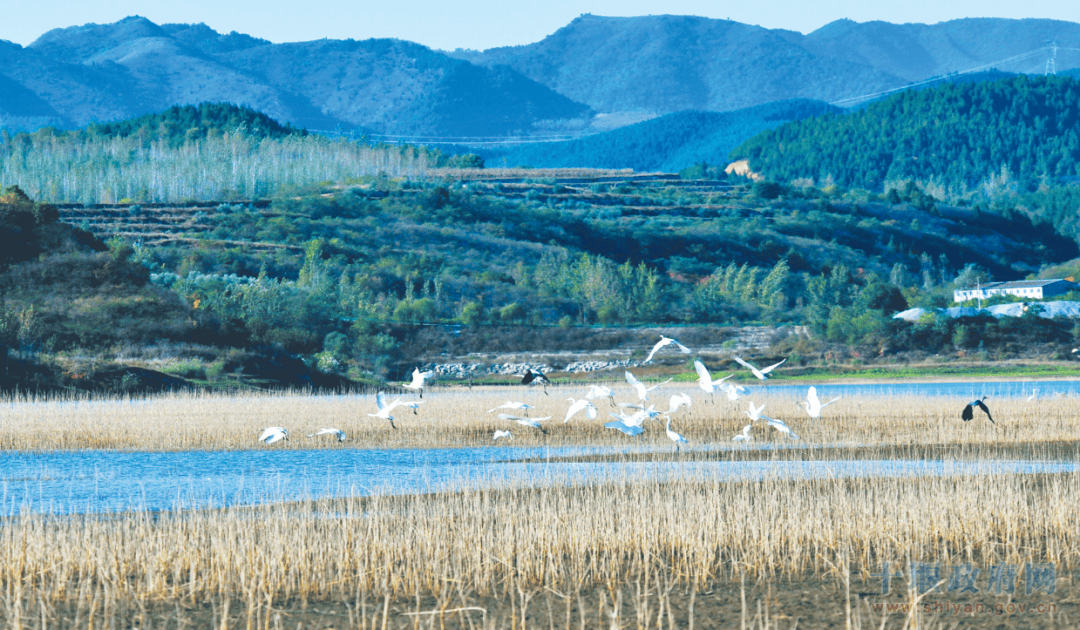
635, 551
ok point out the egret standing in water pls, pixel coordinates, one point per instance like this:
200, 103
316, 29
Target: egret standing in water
761, 374
969, 412
663, 342
675, 437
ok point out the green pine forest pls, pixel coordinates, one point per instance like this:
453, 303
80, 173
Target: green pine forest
317, 277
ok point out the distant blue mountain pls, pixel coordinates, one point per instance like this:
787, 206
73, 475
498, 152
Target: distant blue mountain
668, 143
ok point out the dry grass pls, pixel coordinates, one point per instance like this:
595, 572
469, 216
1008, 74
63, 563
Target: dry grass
459, 417
626, 551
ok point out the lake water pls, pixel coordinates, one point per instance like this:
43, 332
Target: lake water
95, 481
103, 481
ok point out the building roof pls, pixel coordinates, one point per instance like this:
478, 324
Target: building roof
1015, 284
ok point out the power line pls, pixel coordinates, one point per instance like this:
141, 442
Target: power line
1020, 57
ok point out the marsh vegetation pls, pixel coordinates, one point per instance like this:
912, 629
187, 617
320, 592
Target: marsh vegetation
633, 550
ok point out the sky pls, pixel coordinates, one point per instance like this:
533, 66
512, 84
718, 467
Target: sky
482, 24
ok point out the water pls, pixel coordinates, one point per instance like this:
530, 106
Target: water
963, 391
102, 481
95, 481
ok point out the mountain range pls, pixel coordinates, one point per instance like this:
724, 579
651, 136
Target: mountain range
595, 68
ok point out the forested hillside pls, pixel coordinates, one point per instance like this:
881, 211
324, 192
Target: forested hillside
669, 143
1019, 132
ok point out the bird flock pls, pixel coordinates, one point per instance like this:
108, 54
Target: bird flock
630, 418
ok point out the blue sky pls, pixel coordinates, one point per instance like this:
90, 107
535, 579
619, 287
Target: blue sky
481, 24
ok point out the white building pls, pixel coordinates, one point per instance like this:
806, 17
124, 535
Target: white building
1031, 289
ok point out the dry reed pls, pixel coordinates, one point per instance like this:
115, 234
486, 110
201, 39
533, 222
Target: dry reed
618, 548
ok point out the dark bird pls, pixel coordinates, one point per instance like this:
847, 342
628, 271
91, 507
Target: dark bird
969, 413
535, 377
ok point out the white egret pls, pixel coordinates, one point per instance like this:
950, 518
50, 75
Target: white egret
499, 433
600, 391
745, 435
678, 400
620, 425
513, 405
734, 391
663, 342
780, 426
418, 379
760, 374
705, 380
813, 404
338, 433
755, 413
1034, 392
274, 434
385, 408
636, 420
578, 405
529, 422
968, 412
675, 437
412, 404
642, 391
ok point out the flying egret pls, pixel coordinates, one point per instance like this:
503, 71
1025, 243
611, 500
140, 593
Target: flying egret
274, 434
338, 433
678, 400
622, 425
635, 420
513, 405
535, 377
734, 391
600, 391
418, 379
675, 437
968, 412
745, 435
813, 404
385, 408
412, 404
499, 433
642, 391
529, 422
663, 342
780, 426
578, 405
755, 412
760, 374
705, 380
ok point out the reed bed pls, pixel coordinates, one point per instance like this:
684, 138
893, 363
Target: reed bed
621, 550
460, 417
621, 537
